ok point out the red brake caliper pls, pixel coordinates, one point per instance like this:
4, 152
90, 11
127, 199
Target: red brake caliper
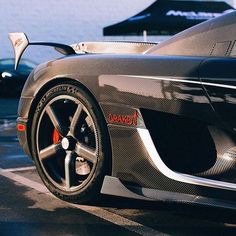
56, 136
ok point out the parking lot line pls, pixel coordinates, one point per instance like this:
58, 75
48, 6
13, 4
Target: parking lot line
96, 211
24, 181
19, 169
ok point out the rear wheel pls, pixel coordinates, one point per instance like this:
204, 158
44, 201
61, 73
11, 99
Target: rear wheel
68, 139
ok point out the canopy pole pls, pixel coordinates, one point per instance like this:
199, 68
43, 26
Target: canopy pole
145, 36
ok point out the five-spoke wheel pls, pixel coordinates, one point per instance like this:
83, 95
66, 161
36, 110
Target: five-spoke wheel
68, 143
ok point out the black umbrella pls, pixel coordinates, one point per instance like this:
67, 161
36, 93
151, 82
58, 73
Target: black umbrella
167, 17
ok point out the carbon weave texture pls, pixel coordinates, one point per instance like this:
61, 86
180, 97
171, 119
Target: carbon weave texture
224, 168
131, 163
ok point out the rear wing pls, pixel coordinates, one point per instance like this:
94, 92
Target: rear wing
20, 42
119, 47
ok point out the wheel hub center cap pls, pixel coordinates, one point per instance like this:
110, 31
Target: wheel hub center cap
68, 143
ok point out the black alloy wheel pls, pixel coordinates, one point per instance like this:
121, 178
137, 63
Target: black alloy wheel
68, 139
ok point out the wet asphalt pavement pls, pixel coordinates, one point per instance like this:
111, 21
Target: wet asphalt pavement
27, 208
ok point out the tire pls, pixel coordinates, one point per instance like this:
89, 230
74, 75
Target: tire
69, 136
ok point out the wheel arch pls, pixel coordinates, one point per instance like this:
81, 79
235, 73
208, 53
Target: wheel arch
56, 81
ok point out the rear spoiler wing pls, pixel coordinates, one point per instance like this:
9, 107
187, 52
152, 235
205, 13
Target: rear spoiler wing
20, 42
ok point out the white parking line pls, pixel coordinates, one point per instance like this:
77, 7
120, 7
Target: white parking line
19, 169
24, 181
96, 211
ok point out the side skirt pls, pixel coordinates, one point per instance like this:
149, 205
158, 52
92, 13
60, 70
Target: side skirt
113, 186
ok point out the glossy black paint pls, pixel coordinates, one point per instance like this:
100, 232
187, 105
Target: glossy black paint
11, 81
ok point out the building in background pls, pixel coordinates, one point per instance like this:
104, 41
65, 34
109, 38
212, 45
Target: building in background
64, 21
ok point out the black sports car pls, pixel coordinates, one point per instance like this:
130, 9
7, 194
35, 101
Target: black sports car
140, 120
12, 81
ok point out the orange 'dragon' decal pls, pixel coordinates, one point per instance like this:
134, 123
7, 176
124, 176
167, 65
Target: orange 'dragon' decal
130, 120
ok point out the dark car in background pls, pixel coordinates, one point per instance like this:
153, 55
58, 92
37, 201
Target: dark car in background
12, 81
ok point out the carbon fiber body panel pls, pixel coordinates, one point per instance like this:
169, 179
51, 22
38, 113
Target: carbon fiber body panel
133, 165
170, 117
114, 186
